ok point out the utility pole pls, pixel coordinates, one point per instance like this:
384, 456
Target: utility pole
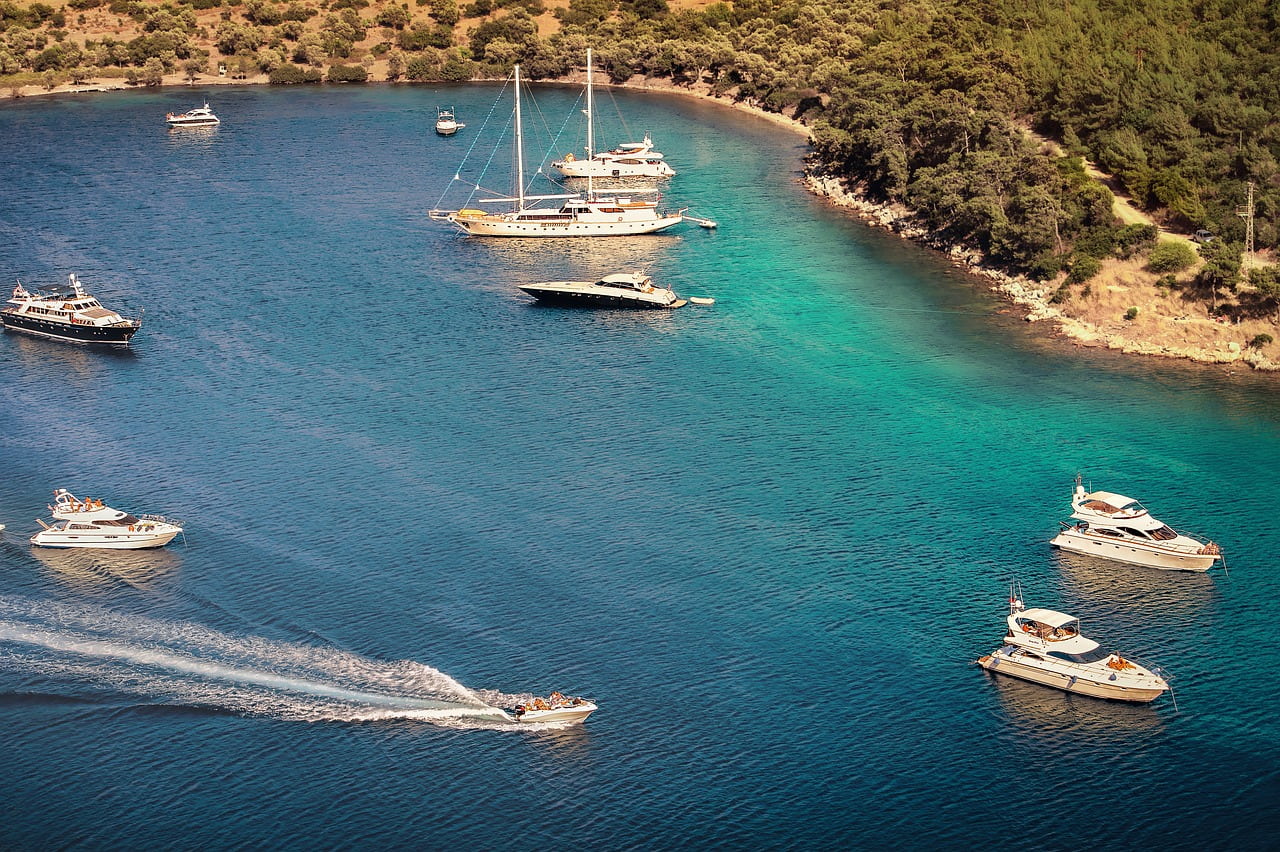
1246, 213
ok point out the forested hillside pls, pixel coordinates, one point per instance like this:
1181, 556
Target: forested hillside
927, 103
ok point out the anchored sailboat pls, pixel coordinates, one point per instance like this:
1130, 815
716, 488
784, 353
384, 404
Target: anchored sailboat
589, 215
630, 159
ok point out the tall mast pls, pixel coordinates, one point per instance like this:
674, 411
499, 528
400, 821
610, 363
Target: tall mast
590, 128
519, 149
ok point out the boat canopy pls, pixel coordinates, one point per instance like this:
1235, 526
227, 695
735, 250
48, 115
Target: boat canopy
1048, 617
1116, 501
623, 278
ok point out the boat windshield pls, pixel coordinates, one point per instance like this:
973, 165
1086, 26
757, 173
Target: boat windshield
1085, 657
1164, 533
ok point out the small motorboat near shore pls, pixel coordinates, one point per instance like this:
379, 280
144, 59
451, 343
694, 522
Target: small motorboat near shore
198, 117
619, 290
91, 523
556, 708
1112, 526
1046, 647
67, 313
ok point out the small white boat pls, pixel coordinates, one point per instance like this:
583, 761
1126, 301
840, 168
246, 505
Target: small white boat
198, 117
91, 523
619, 290
1112, 526
1046, 647
556, 708
446, 123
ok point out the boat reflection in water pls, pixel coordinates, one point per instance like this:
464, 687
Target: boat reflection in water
1050, 715
1135, 587
83, 568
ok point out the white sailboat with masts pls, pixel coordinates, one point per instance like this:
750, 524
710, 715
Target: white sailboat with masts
630, 159
580, 215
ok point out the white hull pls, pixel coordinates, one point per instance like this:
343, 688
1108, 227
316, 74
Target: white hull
496, 226
575, 715
201, 122
1132, 552
103, 541
1124, 688
597, 169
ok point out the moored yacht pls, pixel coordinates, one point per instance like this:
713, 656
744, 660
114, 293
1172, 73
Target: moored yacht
590, 214
1046, 647
619, 290
446, 123
67, 313
198, 117
91, 523
556, 708
630, 159
1120, 528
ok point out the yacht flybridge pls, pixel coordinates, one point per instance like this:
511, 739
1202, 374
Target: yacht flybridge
1045, 646
630, 159
91, 523
1112, 526
589, 214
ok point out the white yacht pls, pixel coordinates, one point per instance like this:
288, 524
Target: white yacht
67, 313
1046, 647
446, 123
1112, 526
630, 159
91, 523
580, 215
556, 708
198, 117
619, 290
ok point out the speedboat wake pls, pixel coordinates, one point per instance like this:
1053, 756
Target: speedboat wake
64, 648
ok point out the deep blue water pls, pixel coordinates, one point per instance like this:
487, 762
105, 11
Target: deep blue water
769, 537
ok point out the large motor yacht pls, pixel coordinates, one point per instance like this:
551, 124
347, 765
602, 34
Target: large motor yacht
1046, 647
619, 290
1120, 528
556, 708
91, 523
198, 117
67, 313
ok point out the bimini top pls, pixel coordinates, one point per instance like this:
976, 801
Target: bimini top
1047, 617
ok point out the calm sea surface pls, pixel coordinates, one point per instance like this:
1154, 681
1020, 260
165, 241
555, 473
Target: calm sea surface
769, 537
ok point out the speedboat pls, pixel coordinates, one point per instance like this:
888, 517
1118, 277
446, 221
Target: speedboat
446, 123
556, 708
198, 117
619, 290
1046, 647
1120, 528
67, 313
91, 523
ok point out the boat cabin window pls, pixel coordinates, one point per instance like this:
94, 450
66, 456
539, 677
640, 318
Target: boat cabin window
1105, 531
81, 526
1135, 533
1085, 657
1164, 533
127, 520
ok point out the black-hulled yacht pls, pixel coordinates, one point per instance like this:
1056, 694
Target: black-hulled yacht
67, 313
619, 290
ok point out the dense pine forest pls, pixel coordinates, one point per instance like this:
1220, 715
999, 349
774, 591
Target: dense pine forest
941, 105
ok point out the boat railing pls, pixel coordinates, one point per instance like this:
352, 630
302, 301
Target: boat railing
162, 519
1190, 549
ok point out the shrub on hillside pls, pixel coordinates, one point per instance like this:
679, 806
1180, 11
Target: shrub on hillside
1170, 256
1083, 267
348, 74
288, 74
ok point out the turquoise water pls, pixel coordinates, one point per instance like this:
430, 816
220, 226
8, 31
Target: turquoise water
769, 537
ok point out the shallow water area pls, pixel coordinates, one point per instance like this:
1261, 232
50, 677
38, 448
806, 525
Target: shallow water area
769, 537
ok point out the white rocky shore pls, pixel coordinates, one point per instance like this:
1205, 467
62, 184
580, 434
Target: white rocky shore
1020, 290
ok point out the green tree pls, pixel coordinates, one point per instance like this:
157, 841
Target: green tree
1170, 256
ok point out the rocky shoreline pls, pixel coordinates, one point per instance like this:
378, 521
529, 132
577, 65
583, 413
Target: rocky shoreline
1022, 291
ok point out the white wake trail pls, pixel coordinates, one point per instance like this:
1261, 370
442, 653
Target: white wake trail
187, 664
